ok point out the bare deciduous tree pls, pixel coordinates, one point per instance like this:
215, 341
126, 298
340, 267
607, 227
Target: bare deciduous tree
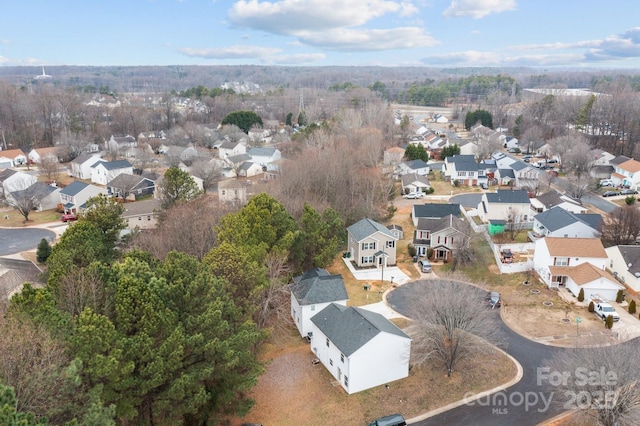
275, 298
209, 170
601, 382
80, 289
50, 167
577, 187
621, 226
451, 321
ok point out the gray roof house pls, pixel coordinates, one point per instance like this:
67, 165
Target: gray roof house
414, 166
413, 182
510, 205
434, 211
75, 195
558, 222
553, 198
141, 214
371, 243
105, 171
47, 197
624, 263
127, 185
361, 349
464, 169
444, 235
313, 291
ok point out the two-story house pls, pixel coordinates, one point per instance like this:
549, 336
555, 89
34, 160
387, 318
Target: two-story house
627, 174
434, 211
414, 166
81, 166
13, 180
624, 262
229, 149
553, 198
313, 291
264, 156
130, 186
141, 214
444, 235
36, 155
371, 243
464, 169
104, 172
74, 196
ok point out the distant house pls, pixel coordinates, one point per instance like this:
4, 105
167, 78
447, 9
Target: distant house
13, 180
510, 205
552, 199
233, 190
141, 214
47, 197
123, 145
126, 185
176, 154
624, 262
434, 211
264, 156
414, 182
74, 196
414, 166
439, 118
313, 291
506, 177
445, 236
554, 257
36, 155
464, 169
371, 243
12, 158
229, 149
557, 222
626, 174
511, 142
361, 349
249, 169
104, 172
81, 165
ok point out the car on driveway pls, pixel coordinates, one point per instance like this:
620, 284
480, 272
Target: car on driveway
628, 192
610, 193
606, 182
413, 195
425, 266
69, 217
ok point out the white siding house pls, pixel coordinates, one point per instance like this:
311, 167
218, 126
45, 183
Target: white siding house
313, 291
592, 281
624, 262
371, 243
361, 349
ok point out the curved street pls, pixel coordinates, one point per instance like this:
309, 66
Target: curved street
17, 240
525, 403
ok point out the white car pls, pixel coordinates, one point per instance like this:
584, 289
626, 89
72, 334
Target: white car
606, 182
413, 195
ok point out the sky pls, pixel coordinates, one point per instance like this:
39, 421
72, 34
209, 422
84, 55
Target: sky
582, 34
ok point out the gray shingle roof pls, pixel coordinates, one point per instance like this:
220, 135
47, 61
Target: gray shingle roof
507, 173
262, 152
435, 225
436, 210
464, 162
39, 190
74, 188
416, 164
631, 255
318, 286
558, 218
366, 227
350, 328
114, 165
518, 196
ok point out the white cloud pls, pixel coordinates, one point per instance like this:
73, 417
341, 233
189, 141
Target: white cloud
472, 58
369, 40
332, 24
620, 46
477, 9
230, 52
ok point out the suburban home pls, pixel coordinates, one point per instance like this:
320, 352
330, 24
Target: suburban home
627, 174
104, 172
250, 169
12, 158
81, 166
510, 205
434, 211
555, 257
552, 199
466, 146
123, 145
234, 190
264, 156
152, 137
260, 135
130, 186
601, 157
439, 118
593, 281
464, 169
414, 182
558, 222
37, 154
74, 196
396, 230
176, 154
141, 214
506, 177
414, 166
13, 180
371, 243
313, 291
11, 283
525, 174
444, 236
624, 263
511, 142
361, 349
47, 196
229, 149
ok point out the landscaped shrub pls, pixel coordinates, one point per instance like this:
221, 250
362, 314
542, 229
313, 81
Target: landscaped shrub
632, 307
456, 183
581, 295
429, 253
608, 323
412, 250
592, 307
630, 200
44, 251
430, 190
619, 296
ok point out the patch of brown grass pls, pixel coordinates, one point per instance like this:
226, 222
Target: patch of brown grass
16, 220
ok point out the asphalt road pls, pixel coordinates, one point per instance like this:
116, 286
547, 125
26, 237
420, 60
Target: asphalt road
525, 403
18, 240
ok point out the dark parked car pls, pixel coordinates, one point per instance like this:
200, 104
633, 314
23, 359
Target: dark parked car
493, 297
610, 193
628, 192
393, 420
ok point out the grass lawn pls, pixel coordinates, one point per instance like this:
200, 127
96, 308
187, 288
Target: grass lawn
16, 220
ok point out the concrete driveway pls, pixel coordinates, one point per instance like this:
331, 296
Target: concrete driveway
388, 273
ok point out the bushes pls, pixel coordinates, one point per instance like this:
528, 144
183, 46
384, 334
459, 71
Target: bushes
581, 295
619, 296
429, 253
632, 307
630, 200
608, 323
44, 251
592, 307
412, 250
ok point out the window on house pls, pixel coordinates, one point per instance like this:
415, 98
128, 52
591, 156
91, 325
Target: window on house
148, 217
561, 261
327, 342
224, 192
313, 307
423, 235
462, 173
391, 244
369, 246
346, 381
342, 358
139, 217
367, 260
330, 361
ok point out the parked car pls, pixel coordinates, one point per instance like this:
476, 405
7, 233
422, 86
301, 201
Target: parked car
628, 192
392, 420
425, 265
610, 193
603, 310
413, 195
69, 217
484, 186
493, 297
606, 182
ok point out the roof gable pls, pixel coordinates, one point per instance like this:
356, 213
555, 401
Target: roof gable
318, 286
367, 227
74, 188
518, 196
436, 210
575, 247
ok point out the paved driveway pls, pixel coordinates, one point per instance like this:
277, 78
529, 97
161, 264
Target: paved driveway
14, 241
388, 273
